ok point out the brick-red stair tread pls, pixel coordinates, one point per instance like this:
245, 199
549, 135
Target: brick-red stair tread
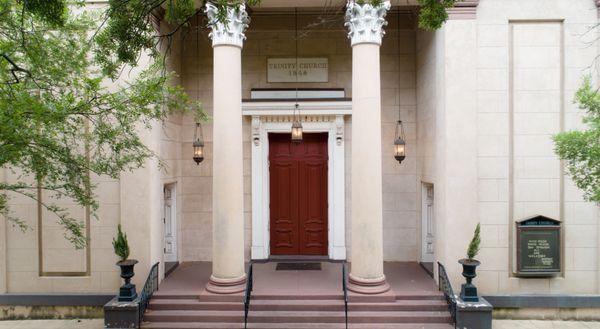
298, 297
200, 325
193, 304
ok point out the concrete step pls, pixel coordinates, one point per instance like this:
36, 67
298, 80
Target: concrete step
353, 317
198, 296
338, 305
400, 317
400, 305
296, 305
203, 325
194, 316
174, 295
424, 296
193, 304
339, 296
296, 316
350, 326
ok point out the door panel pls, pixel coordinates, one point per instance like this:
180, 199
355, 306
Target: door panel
283, 214
298, 201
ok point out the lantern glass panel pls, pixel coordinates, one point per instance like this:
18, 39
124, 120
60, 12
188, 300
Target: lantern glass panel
296, 132
399, 150
198, 152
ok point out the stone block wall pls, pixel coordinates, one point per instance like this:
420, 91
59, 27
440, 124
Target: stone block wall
531, 57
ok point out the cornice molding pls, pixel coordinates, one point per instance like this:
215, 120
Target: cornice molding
232, 33
465, 9
365, 22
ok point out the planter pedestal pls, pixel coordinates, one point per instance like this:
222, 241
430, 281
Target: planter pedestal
121, 314
474, 314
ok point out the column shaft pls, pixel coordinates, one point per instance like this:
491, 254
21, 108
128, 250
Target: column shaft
228, 197
365, 23
367, 232
367, 250
228, 177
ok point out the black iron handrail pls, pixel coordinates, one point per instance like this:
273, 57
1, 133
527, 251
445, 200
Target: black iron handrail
150, 287
248, 294
345, 289
446, 287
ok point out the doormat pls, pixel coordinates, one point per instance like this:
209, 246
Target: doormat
298, 267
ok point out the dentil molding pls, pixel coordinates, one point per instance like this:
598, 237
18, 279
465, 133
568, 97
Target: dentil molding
365, 22
231, 33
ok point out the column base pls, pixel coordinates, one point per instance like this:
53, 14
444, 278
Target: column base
368, 286
226, 286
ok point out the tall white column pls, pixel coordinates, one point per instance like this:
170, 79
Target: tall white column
228, 275
365, 24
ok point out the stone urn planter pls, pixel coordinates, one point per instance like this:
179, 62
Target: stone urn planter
468, 291
127, 291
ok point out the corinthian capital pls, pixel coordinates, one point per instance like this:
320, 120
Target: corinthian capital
365, 22
232, 32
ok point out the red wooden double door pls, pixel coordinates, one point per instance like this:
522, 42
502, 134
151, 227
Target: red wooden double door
298, 188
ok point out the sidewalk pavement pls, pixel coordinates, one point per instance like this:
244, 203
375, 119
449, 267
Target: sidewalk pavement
518, 324
98, 324
53, 324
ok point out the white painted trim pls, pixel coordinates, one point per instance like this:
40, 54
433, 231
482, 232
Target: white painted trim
306, 108
332, 122
425, 256
288, 94
174, 256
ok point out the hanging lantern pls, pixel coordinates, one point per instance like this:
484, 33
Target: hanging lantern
399, 140
399, 143
198, 144
296, 127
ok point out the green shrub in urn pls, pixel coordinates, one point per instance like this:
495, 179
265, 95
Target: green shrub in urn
474, 245
468, 291
120, 244
127, 291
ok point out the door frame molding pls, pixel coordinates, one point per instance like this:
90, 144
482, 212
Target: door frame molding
175, 226
273, 117
424, 189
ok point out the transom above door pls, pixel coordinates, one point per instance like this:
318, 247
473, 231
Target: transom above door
298, 194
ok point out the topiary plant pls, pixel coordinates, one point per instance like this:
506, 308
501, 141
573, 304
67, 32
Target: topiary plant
120, 244
474, 246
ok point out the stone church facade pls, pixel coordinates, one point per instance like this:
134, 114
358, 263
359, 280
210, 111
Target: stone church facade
480, 100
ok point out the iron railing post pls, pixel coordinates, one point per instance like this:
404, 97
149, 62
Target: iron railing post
345, 289
445, 286
248, 294
150, 286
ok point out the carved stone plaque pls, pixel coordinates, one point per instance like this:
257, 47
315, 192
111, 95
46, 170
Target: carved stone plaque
309, 70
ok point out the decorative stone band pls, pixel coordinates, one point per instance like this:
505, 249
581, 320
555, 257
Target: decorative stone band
226, 286
466, 9
232, 31
365, 22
